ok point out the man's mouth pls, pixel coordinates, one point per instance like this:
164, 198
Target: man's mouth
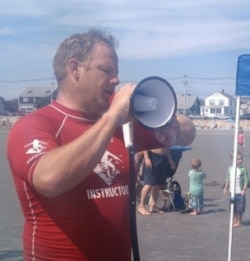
109, 93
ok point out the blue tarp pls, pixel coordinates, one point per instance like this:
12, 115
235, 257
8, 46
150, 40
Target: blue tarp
243, 76
180, 148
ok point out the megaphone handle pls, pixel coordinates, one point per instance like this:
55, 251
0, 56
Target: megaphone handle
128, 141
128, 136
132, 212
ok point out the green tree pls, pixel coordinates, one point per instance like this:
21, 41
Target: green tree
11, 105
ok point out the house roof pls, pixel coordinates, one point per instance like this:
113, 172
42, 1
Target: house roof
222, 93
190, 101
37, 92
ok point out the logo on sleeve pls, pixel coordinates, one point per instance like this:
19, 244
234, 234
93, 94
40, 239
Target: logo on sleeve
36, 146
35, 149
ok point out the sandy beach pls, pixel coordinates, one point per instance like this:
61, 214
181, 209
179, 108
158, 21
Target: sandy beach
170, 236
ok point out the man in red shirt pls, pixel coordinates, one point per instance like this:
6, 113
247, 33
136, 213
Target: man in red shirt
69, 162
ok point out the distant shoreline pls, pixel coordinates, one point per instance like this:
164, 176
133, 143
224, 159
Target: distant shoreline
219, 124
199, 123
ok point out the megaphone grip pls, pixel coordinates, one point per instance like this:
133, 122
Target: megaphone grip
145, 103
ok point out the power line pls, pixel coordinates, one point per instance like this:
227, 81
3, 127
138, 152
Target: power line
30, 80
170, 79
212, 78
181, 83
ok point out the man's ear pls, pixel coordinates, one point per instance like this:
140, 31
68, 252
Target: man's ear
74, 68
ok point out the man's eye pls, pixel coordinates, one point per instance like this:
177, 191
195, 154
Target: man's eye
106, 71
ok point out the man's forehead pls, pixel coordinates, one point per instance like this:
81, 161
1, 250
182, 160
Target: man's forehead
103, 48
104, 55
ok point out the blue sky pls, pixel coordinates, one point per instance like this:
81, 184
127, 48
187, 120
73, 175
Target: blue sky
201, 40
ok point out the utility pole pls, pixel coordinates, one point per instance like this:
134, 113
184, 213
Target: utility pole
51, 92
185, 93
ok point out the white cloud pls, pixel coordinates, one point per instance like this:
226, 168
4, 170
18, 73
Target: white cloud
145, 29
188, 38
31, 30
6, 30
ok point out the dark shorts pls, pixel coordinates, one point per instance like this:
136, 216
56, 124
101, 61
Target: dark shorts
240, 204
158, 174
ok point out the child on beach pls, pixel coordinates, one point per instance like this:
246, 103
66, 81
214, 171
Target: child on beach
196, 177
241, 183
241, 140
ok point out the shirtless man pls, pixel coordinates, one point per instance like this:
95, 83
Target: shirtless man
155, 174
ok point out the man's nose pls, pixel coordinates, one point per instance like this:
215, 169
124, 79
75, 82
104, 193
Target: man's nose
115, 80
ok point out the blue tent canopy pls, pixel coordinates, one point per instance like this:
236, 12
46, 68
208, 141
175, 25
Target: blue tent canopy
243, 76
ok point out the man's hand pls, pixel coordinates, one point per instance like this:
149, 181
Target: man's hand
148, 163
120, 105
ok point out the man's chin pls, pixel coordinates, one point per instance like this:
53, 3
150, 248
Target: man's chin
104, 107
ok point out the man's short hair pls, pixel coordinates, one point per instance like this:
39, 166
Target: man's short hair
79, 46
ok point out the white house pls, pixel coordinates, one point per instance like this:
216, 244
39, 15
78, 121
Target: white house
219, 104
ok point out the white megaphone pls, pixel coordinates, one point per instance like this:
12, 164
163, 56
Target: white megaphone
153, 102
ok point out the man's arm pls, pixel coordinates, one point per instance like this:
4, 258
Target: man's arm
245, 186
226, 188
64, 167
170, 159
147, 160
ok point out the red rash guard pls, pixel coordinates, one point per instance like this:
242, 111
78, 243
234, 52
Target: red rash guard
88, 222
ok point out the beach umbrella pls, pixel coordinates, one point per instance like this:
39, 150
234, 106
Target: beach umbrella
242, 89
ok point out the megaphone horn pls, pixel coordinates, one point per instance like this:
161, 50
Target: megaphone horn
153, 102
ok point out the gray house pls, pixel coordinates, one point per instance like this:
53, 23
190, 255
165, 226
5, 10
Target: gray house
188, 104
1, 106
28, 99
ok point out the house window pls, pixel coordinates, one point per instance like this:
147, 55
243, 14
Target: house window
211, 102
221, 102
212, 110
25, 99
218, 111
34, 99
